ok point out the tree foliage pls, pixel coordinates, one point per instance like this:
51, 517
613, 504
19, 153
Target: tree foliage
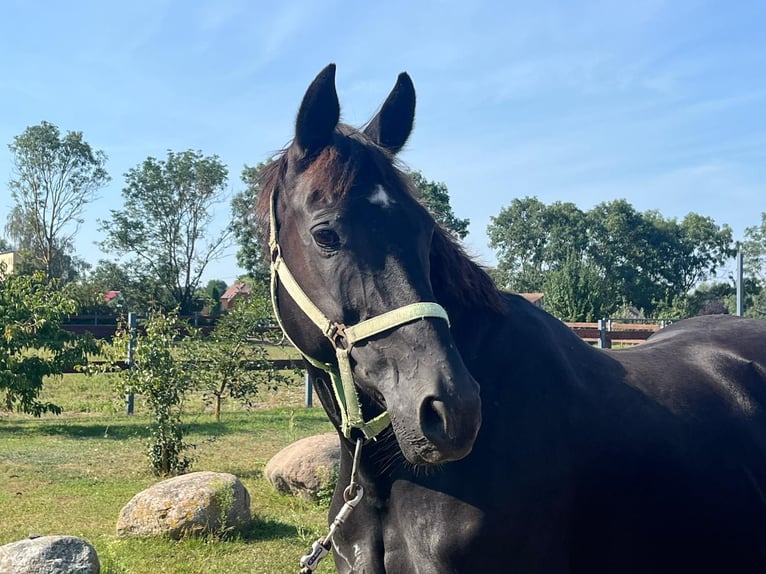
34, 345
230, 364
754, 254
162, 376
436, 198
54, 178
164, 224
576, 290
632, 258
532, 239
212, 293
250, 255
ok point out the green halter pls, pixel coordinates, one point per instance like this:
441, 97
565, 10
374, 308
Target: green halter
341, 336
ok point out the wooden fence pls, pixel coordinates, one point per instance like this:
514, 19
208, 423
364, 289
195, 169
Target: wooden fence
604, 333
607, 332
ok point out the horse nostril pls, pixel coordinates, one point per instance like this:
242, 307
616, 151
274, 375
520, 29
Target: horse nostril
433, 420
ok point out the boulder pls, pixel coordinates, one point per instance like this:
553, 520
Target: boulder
198, 503
49, 555
306, 467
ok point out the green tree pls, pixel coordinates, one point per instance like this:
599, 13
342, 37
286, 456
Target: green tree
54, 178
532, 239
212, 295
34, 345
577, 291
164, 224
436, 198
624, 244
754, 249
690, 251
250, 255
640, 259
754, 254
655, 262
232, 366
162, 376
136, 295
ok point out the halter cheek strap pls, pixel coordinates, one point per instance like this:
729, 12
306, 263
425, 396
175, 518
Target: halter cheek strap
342, 337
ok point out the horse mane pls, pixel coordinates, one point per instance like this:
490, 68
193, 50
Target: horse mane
456, 278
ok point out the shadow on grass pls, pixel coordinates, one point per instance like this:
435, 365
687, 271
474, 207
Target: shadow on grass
79, 429
267, 529
124, 427
100, 428
246, 473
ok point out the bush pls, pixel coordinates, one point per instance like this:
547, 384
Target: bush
34, 345
228, 363
162, 377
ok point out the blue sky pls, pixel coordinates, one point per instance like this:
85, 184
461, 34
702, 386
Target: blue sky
662, 103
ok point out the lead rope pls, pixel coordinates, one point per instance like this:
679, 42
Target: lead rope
351, 495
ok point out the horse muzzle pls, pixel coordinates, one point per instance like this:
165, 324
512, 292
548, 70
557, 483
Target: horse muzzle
450, 428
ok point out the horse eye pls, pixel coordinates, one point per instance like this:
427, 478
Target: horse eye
326, 238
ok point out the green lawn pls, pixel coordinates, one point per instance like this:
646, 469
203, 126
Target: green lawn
72, 474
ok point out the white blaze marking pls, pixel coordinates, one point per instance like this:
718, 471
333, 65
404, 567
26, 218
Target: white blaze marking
380, 197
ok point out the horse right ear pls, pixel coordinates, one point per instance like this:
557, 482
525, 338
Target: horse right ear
319, 113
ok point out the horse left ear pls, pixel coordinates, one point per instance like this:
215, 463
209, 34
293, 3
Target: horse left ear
319, 113
392, 125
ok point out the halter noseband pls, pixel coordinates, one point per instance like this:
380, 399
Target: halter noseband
341, 336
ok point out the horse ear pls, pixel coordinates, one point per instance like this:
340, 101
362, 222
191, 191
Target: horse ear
392, 125
319, 113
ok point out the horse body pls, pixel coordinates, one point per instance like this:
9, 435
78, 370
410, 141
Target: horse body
514, 446
587, 461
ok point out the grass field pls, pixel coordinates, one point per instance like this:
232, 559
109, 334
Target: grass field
71, 474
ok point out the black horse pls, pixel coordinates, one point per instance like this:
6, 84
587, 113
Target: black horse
513, 446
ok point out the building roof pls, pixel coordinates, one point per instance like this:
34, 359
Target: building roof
109, 295
235, 290
532, 297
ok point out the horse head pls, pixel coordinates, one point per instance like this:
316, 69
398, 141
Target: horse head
350, 247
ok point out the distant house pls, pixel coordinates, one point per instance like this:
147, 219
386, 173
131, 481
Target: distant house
233, 294
9, 259
109, 295
535, 298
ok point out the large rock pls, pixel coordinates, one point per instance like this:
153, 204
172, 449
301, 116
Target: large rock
306, 467
49, 555
192, 504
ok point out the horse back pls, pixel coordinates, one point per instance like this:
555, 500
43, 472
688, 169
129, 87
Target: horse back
688, 443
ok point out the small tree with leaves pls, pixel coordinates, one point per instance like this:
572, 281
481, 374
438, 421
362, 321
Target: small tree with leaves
232, 364
162, 378
34, 345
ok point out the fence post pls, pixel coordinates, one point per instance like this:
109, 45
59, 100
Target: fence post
308, 390
130, 399
603, 334
740, 282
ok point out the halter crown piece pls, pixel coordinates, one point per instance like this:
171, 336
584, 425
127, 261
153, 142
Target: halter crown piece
341, 336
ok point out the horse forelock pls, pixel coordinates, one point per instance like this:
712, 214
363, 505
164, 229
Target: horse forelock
333, 172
